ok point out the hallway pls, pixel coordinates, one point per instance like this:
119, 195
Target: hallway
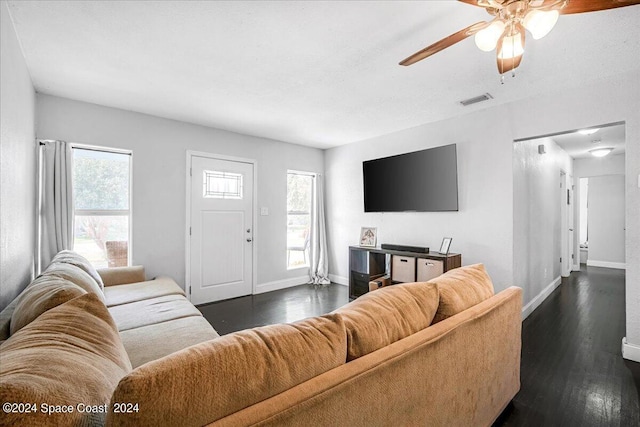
572, 371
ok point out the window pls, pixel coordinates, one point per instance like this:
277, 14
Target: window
102, 211
300, 190
222, 185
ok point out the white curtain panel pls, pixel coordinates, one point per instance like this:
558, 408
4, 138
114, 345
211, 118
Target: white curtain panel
56, 198
319, 269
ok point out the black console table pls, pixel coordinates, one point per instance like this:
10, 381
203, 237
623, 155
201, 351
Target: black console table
367, 264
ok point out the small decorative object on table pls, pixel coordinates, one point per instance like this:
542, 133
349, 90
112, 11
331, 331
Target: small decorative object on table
368, 236
446, 243
380, 282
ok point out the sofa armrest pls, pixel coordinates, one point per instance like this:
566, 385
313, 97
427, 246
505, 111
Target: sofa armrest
122, 275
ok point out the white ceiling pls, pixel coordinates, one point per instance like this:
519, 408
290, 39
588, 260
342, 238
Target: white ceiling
314, 73
578, 146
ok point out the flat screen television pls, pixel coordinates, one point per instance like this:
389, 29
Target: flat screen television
422, 181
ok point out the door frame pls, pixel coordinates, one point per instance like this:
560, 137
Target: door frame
254, 225
566, 213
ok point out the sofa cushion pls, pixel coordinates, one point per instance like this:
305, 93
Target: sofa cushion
73, 258
239, 370
125, 294
161, 339
150, 311
122, 275
462, 288
379, 318
44, 293
75, 275
70, 355
5, 319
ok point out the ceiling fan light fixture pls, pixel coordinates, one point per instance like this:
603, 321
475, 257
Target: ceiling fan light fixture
540, 23
601, 152
487, 38
511, 47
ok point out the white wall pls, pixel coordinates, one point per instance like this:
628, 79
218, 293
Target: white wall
593, 167
536, 215
598, 166
484, 193
483, 230
606, 221
17, 165
159, 178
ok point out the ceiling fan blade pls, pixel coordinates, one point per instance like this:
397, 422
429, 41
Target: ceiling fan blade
444, 43
582, 6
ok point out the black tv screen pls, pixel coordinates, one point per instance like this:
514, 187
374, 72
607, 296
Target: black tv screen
422, 181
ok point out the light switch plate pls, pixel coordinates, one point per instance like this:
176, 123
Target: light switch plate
264, 211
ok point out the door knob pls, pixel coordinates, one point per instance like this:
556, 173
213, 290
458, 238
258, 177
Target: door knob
249, 240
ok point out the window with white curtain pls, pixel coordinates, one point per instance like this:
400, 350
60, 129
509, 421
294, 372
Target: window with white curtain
300, 192
102, 205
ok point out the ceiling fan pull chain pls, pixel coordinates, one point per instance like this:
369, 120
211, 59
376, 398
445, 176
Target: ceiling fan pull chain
513, 57
501, 79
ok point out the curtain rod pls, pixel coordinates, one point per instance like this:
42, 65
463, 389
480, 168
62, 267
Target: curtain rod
88, 148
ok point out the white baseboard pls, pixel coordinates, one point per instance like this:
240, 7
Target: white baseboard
607, 264
339, 279
534, 303
576, 267
281, 284
630, 351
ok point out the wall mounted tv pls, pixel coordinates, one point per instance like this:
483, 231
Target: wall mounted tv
422, 181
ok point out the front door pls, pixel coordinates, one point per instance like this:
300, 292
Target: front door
221, 229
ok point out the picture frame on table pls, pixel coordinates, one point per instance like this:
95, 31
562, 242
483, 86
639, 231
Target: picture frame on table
368, 237
446, 244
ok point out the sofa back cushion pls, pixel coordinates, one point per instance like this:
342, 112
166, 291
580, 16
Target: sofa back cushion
76, 275
44, 293
379, 318
462, 288
70, 355
73, 258
208, 381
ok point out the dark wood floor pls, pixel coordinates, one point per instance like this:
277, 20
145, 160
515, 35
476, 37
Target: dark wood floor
572, 370
286, 305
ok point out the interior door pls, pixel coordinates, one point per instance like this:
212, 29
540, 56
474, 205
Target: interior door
571, 255
221, 229
566, 227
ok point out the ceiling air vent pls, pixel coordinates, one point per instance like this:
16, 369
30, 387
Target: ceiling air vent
475, 100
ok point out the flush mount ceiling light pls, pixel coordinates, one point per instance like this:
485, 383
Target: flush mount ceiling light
600, 152
588, 131
506, 31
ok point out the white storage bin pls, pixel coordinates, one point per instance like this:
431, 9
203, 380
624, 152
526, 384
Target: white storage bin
429, 269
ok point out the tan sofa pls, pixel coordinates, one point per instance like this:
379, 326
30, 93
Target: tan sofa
444, 352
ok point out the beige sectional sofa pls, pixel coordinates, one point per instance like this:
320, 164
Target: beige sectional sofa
136, 352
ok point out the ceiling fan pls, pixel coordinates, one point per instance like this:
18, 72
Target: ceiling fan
506, 31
